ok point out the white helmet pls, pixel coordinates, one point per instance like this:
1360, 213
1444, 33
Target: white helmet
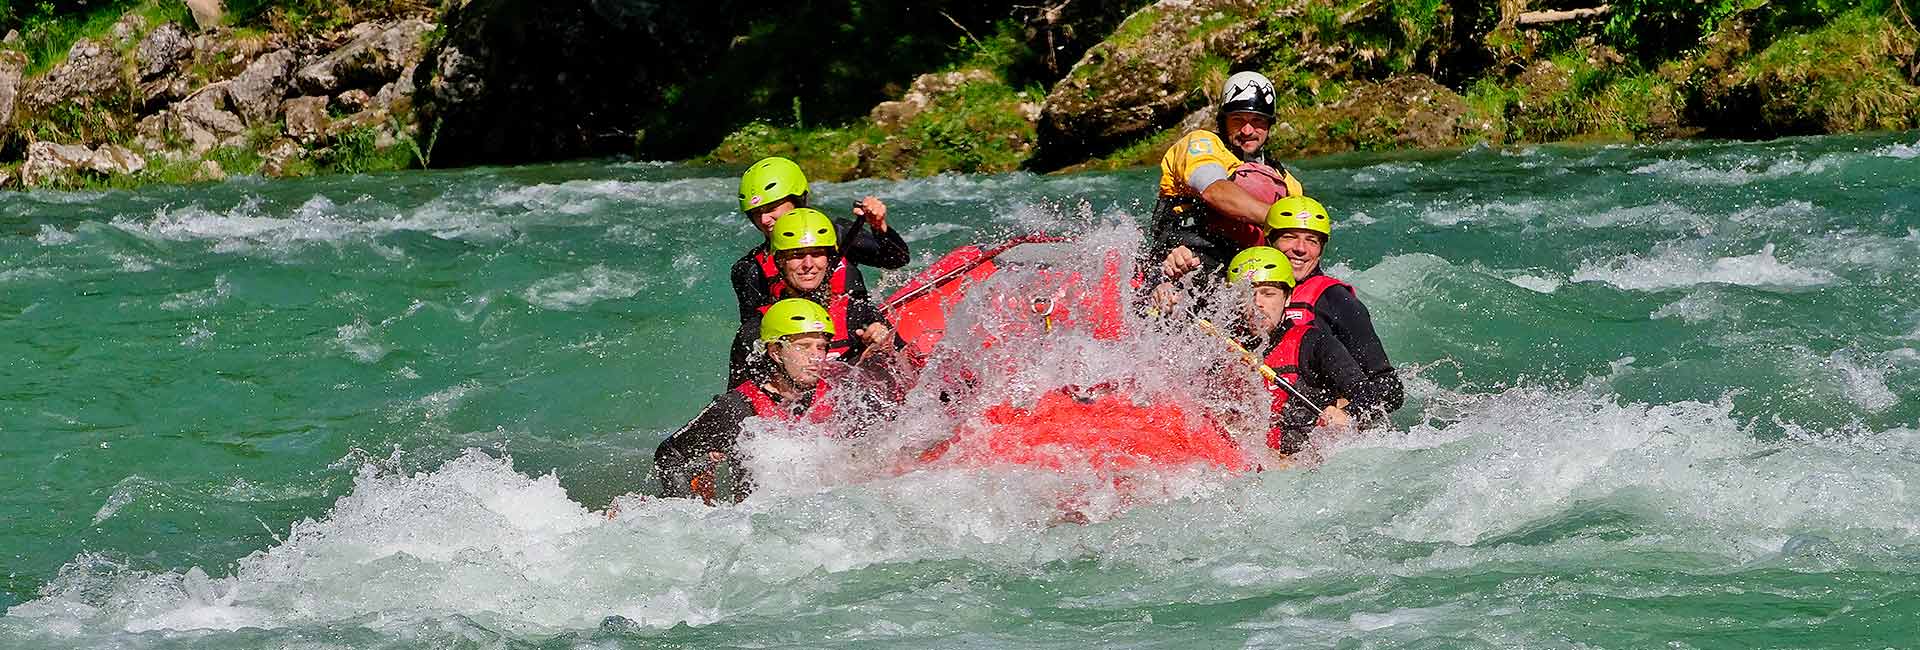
1247, 92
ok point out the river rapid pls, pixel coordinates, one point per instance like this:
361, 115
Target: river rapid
1658, 396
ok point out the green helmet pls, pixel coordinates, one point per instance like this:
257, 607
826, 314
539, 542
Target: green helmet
770, 180
794, 316
1260, 264
1299, 212
802, 228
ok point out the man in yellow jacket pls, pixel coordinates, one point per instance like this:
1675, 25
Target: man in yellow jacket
1200, 219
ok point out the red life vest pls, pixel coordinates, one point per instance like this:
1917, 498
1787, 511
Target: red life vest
770, 271
842, 337
763, 405
1300, 302
1285, 361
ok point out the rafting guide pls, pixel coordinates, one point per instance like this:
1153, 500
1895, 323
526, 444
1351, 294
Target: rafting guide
1198, 221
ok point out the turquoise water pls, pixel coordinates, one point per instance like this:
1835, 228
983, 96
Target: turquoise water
1660, 396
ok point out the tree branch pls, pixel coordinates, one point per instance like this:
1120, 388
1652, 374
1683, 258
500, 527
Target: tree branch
1544, 17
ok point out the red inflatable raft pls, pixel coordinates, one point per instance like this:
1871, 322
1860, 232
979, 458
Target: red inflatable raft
1104, 428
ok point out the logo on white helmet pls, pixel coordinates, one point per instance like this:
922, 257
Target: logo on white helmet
1249, 88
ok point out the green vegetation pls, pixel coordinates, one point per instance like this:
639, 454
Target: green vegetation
1136, 27
75, 123
1660, 29
49, 29
1352, 74
1573, 97
1840, 77
316, 16
977, 126
358, 152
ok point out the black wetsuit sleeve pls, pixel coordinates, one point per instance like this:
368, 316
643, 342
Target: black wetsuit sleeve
684, 454
750, 286
885, 250
1327, 373
1159, 239
860, 314
739, 359
1171, 230
1350, 322
1335, 368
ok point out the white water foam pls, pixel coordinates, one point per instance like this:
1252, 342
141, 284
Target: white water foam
584, 196
1864, 379
1696, 307
1374, 174
1662, 215
1358, 218
356, 338
1901, 151
947, 187
925, 231
52, 236
201, 299
1447, 213
1740, 171
21, 274
514, 554
249, 227
577, 290
1678, 267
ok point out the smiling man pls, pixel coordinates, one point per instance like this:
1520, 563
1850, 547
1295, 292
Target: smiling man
786, 384
1299, 227
1199, 219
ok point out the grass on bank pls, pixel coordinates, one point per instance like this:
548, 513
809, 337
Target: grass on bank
977, 128
45, 37
49, 28
353, 152
974, 128
1840, 77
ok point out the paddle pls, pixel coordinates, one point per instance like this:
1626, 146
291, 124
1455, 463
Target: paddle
1252, 360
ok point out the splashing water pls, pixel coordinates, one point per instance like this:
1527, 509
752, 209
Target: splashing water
1658, 396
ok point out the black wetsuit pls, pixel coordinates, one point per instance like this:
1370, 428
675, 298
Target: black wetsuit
1327, 372
753, 290
1340, 313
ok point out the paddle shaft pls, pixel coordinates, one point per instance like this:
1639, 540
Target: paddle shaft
1254, 360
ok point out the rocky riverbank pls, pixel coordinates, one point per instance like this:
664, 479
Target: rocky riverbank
856, 89
159, 97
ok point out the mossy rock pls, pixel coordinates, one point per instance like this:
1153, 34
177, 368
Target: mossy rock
1400, 112
1143, 77
962, 121
1852, 74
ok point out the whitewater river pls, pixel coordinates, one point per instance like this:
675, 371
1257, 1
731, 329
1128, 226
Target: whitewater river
1660, 396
